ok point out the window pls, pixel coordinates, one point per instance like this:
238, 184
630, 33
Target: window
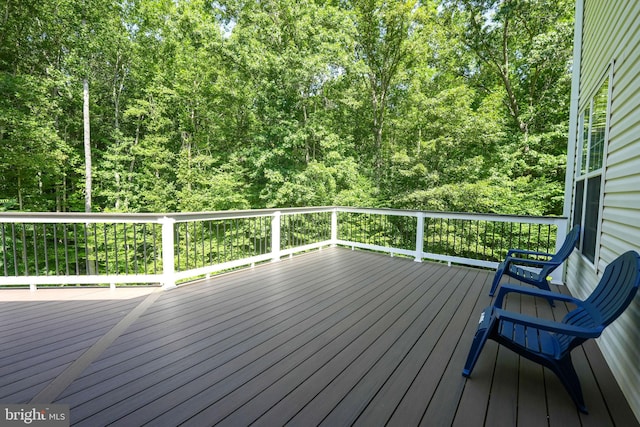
591, 145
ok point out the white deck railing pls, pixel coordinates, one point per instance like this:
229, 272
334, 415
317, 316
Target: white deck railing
97, 249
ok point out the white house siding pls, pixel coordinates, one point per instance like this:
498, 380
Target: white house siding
611, 37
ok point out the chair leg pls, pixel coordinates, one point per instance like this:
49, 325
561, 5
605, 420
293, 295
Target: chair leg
544, 285
569, 378
480, 338
496, 279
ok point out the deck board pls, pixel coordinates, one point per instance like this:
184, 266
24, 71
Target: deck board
40, 339
334, 337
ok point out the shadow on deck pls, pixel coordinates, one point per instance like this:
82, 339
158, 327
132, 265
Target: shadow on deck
335, 337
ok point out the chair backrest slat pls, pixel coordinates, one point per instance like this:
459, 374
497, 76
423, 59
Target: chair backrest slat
609, 299
567, 246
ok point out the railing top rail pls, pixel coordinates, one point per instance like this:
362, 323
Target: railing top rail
109, 217
79, 217
458, 215
250, 213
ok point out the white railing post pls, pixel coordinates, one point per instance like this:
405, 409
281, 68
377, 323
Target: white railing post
275, 237
419, 237
334, 227
557, 275
168, 262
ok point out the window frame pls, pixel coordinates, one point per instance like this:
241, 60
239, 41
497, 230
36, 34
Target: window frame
585, 174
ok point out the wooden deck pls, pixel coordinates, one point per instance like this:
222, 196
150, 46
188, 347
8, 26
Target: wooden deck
335, 337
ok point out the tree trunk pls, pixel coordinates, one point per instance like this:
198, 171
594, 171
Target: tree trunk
87, 146
20, 207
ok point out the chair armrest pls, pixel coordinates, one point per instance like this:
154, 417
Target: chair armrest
525, 252
525, 290
516, 260
547, 325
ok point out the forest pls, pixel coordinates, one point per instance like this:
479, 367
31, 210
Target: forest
200, 105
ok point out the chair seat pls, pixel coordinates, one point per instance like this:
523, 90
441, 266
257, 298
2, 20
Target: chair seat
532, 339
524, 273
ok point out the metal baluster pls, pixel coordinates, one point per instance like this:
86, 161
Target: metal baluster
155, 252
218, 242
233, 235
15, 250
55, 247
484, 240
292, 227
95, 248
202, 237
224, 239
427, 234
236, 238
144, 247
125, 251
265, 224
244, 239
210, 243
195, 244
35, 248
267, 234
469, 236
254, 221
76, 249
464, 238
24, 249
293, 220
106, 247
66, 249
177, 244
186, 241
135, 249
364, 232
4, 251
86, 248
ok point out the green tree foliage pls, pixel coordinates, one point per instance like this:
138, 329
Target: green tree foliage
196, 105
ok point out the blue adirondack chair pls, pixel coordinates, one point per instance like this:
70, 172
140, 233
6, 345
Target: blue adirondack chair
550, 343
514, 263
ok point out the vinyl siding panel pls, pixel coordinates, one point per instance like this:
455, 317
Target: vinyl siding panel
594, 67
611, 33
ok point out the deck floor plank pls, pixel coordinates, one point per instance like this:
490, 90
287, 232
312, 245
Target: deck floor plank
44, 339
531, 392
442, 407
344, 395
420, 392
385, 386
333, 337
